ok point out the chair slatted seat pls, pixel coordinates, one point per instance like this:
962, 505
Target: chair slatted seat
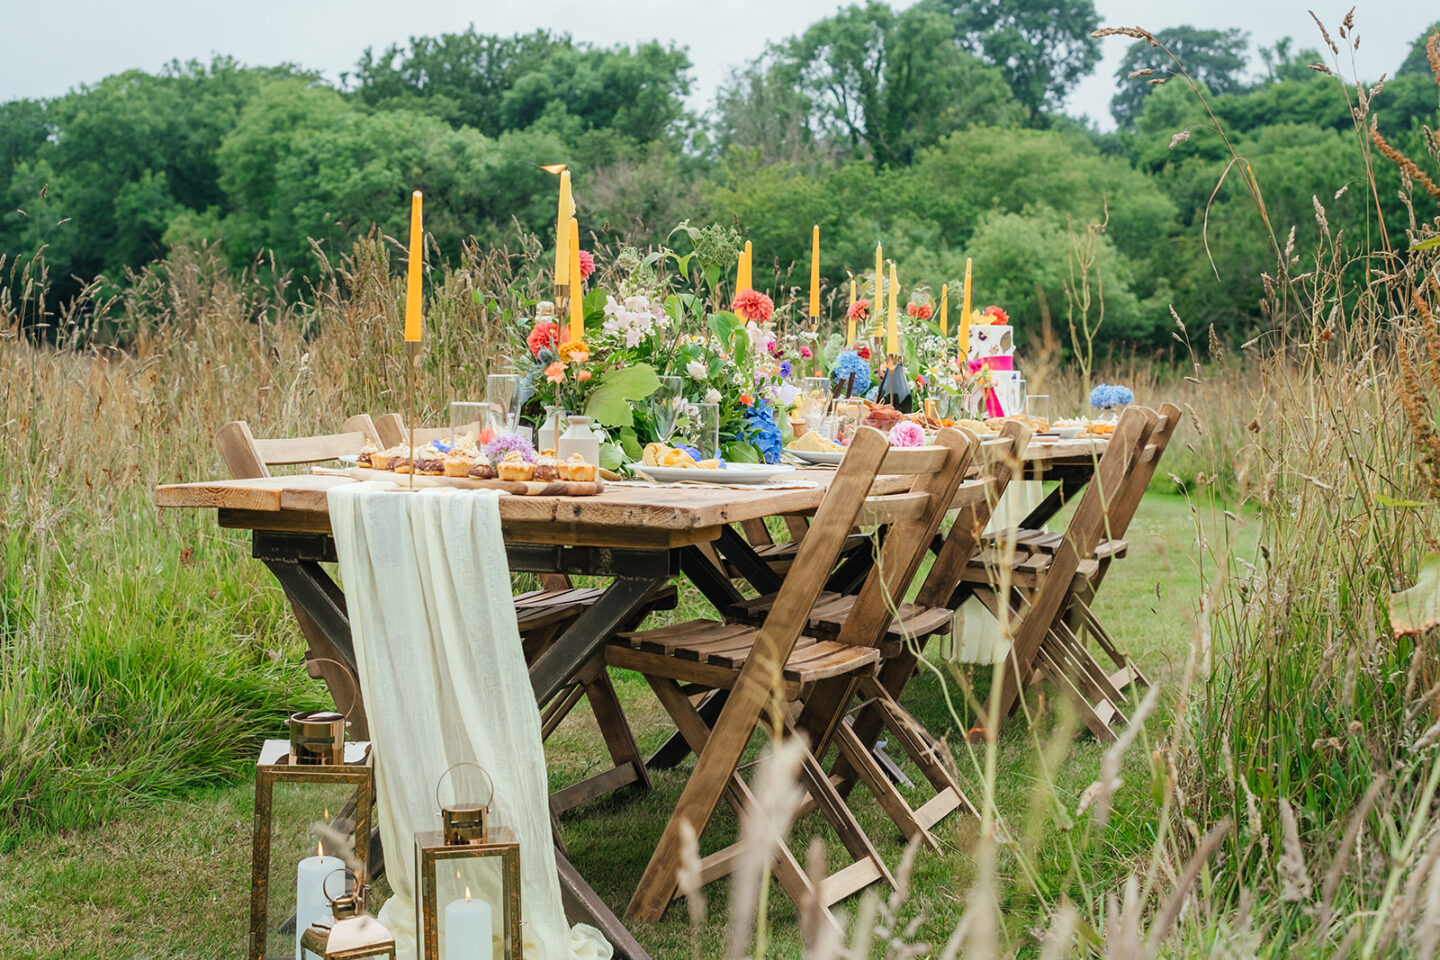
777, 660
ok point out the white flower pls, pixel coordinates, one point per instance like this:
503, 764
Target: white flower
712, 395
697, 370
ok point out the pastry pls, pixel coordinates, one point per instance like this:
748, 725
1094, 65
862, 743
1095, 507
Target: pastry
482, 468
367, 453
576, 469
458, 463
712, 464
675, 457
430, 462
547, 467
515, 467
653, 452
815, 442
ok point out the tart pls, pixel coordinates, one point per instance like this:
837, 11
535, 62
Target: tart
547, 467
458, 464
515, 467
577, 469
430, 462
367, 453
482, 468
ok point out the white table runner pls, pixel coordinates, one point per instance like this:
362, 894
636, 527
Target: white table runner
444, 682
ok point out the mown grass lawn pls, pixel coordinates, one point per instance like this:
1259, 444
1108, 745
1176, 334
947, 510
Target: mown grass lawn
172, 879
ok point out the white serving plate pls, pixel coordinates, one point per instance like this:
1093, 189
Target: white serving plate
731, 473
824, 458
1067, 433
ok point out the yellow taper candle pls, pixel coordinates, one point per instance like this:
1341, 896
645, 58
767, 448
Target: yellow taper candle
577, 291
944, 311
749, 267
964, 352
815, 271
879, 272
413, 322
565, 211
892, 334
850, 329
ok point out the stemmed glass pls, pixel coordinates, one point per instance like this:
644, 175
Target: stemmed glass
666, 404
502, 396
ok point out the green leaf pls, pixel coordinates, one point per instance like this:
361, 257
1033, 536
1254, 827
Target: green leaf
611, 456
1416, 610
741, 452
630, 443
609, 402
594, 304
1427, 244
479, 300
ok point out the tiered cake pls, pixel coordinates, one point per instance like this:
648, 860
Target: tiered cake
993, 346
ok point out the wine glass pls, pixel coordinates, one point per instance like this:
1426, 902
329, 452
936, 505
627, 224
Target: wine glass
466, 420
502, 396
1038, 405
665, 406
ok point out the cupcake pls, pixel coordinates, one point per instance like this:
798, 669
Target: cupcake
515, 467
547, 467
391, 458
458, 463
577, 469
367, 454
482, 468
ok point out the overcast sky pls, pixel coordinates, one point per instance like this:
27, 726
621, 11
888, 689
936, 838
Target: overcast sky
54, 45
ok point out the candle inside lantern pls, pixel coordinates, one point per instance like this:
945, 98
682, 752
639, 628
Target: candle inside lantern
468, 930
964, 351
850, 329
577, 290
565, 211
412, 274
815, 271
892, 332
310, 903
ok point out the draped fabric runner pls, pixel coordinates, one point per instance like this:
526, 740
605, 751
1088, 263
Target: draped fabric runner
444, 682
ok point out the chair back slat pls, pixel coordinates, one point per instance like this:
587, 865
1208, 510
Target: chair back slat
249, 458
908, 461
392, 430
1122, 510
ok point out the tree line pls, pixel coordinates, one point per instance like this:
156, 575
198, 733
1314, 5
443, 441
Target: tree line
938, 128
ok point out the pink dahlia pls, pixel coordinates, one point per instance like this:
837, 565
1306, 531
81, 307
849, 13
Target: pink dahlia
907, 433
859, 310
587, 264
753, 306
921, 311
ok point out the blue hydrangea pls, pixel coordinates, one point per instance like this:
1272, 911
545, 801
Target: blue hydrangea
1108, 395
847, 363
764, 431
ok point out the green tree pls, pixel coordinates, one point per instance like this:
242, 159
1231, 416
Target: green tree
1215, 58
895, 82
1417, 61
1044, 47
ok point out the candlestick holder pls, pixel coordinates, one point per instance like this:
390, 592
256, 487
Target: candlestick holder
485, 862
314, 776
349, 933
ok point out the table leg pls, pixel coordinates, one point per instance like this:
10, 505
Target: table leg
738, 551
615, 608
1071, 481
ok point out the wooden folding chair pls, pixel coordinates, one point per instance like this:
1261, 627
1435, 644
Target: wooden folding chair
775, 664
1038, 589
1080, 622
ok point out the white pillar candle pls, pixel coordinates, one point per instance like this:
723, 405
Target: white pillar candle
468, 933
310, 902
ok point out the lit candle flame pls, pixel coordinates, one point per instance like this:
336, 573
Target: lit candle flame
319, 850
553, 167
467, 894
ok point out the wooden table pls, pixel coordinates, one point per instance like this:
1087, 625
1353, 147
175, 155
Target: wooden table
641, 537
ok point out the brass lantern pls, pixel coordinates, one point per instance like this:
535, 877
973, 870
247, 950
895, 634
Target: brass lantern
315, 776
468, 874
349, 933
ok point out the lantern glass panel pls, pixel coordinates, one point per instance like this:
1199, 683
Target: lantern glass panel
482, 878
301, 811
